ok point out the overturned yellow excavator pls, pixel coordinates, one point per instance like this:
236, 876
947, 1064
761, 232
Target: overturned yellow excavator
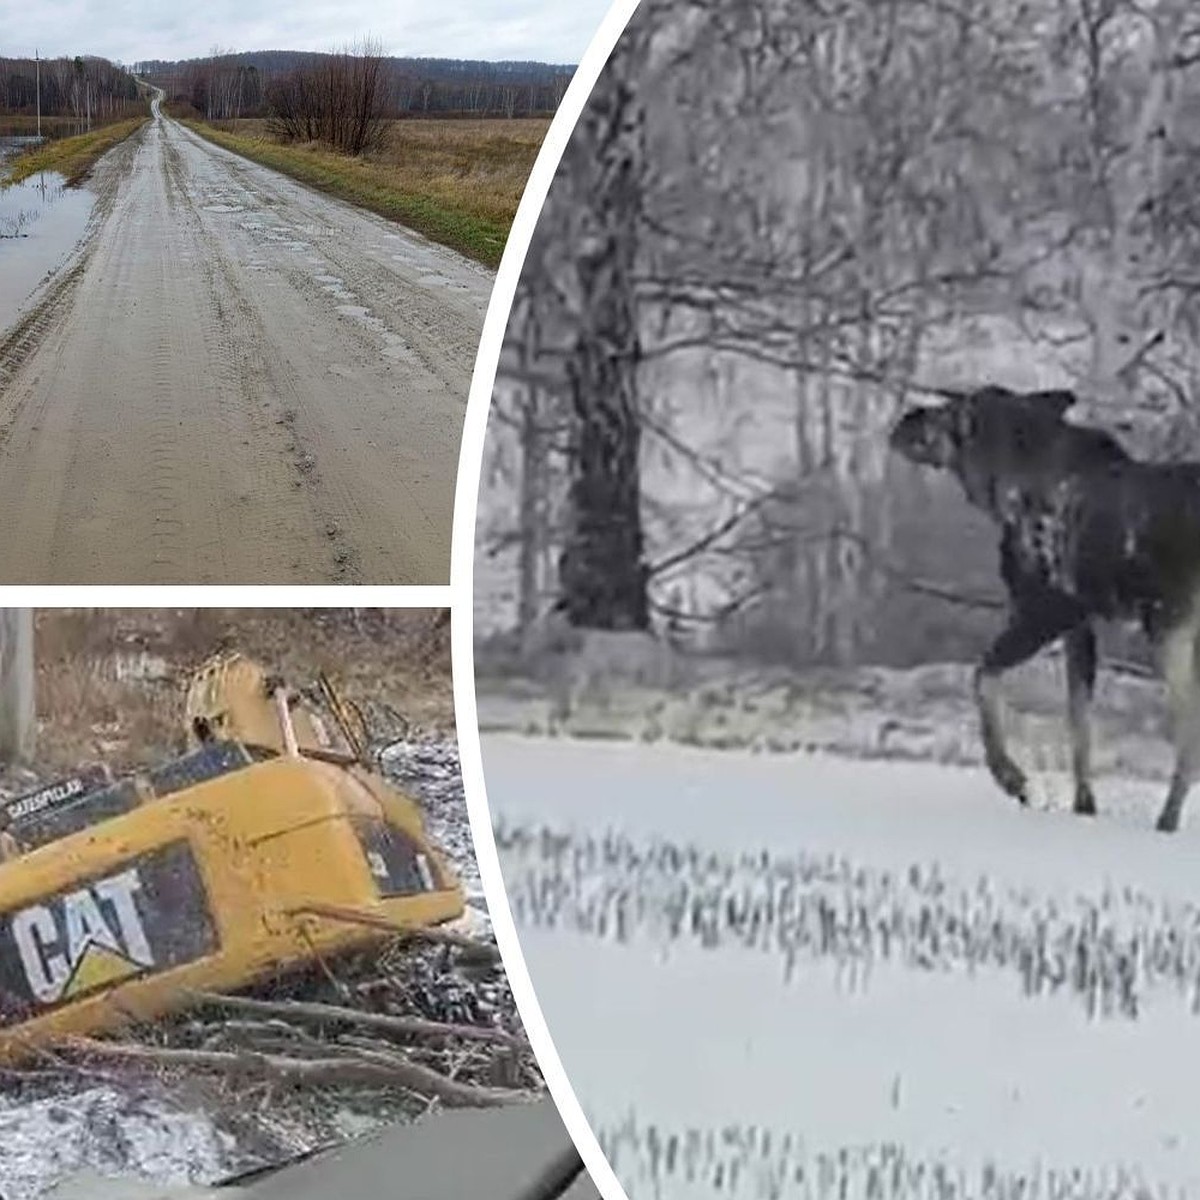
269, 844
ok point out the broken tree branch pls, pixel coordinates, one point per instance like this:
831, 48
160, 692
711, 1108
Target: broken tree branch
299, 1010
377, 1071
705, 541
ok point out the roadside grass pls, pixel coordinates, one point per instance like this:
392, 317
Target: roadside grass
456, 182
73, 157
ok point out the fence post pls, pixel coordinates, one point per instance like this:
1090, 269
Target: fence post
18, 718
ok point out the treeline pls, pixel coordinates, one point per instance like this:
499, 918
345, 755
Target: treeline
90, 91
228, 86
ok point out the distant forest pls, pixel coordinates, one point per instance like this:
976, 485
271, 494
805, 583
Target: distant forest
89, 91
229, 86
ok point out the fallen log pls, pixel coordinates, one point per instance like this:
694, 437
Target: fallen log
300, 1010
375, 1071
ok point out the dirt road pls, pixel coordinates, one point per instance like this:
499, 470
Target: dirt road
235, 380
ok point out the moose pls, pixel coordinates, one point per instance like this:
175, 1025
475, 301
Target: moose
1087, 534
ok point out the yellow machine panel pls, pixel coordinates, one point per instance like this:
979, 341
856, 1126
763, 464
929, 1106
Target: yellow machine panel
205, 875
231, 697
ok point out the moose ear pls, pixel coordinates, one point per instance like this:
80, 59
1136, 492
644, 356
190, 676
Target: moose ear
1057, 401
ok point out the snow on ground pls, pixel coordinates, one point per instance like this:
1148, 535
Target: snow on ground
112, 1129
815, 976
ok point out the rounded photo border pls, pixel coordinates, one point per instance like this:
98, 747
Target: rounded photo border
470, 467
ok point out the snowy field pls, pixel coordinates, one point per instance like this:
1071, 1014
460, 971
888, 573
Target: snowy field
813, 976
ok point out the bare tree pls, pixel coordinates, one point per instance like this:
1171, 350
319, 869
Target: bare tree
602, 573
339, 99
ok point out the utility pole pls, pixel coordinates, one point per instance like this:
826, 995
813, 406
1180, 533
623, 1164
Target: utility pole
18, 717
37, 59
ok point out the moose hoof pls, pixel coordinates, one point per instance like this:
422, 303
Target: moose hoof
1085, 802
1010, 777
1168, 822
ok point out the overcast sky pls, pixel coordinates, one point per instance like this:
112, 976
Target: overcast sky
129, 31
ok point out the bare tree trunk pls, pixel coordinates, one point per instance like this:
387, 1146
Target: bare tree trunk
1110, 292
18, 725
602, 576
533, 467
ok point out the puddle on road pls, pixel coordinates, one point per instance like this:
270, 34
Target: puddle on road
394, 346
41, 220
335, 286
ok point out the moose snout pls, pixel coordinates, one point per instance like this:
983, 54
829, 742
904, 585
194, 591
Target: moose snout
907, 434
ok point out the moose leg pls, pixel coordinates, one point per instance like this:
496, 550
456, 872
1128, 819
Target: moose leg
1027, 632
1081, 682
1177, 654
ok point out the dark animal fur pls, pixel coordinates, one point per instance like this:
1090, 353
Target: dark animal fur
1087, 533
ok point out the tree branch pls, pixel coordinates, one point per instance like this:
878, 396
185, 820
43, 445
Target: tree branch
378, 1071
403, 1026
702, 543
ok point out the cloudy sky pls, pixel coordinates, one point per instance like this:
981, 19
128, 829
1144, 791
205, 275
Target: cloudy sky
132, 30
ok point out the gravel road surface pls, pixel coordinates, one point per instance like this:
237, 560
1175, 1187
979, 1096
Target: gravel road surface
234, 379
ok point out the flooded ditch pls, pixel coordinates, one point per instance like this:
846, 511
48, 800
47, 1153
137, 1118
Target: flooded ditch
41, 220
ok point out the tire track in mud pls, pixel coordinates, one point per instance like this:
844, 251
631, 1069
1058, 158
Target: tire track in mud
245, 387
334, 481
285, 226
26, 335
245, 373
272, 398
296, 220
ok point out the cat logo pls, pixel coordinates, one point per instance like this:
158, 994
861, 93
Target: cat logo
83, 940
